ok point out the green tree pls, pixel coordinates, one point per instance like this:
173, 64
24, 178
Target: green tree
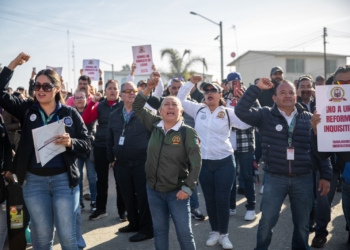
126, 67
179, 65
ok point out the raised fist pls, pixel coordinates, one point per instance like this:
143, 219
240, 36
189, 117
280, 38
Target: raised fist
21, 58
265, 84
196, 79
97, 97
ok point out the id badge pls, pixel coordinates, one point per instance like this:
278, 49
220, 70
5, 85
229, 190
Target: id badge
3, 207
290, 154
121, 140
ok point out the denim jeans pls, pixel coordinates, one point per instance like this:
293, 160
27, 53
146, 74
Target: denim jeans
50, 201
161, 205
194, 203
346, 201
91, 176
3, 226
216, 178
300, 191
80, 240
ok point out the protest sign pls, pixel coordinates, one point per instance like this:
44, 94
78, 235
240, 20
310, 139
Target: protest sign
143, 59
58, 70
91, 68
333, 104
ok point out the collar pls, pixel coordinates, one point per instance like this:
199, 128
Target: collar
295, 111
176, 127
58, 106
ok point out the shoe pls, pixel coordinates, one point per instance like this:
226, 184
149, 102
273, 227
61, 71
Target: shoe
128, 229
318, 241
93, 206
87, 197
82, 207
140, 237
233, 211
311, 229
225, 242
262, 189
213, 239
122, 217
250, 215
98, 214
240, 191
197, 214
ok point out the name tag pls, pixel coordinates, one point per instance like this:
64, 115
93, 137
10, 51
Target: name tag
121, 140
290, 154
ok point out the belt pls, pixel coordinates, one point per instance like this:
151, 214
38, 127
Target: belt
130, 163
289, 175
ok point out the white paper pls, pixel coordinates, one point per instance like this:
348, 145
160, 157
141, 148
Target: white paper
143, 59
45, 148
333, 104
91, 68
58, 70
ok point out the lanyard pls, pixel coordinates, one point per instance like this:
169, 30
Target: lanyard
291, 129
126, 120
46, 121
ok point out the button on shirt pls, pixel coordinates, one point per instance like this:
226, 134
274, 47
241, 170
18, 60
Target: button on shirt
212, 127
289, 118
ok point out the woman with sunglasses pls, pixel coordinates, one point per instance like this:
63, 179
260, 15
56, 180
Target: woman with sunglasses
213, 123
50, 192
99, 110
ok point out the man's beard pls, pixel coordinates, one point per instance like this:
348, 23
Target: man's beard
276, 81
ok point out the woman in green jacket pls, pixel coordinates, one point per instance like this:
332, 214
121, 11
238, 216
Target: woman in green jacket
172, 167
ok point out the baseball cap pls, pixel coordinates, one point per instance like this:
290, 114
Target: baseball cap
320, 78
234, 76
20, 88
141, 82
214, 85
276, 69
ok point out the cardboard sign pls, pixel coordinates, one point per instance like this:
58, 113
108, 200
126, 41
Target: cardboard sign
58, 70
333, 104
143, 59
91, 68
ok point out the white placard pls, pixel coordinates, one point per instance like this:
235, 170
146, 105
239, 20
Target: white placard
58, 70
333, 104
91, 68
143, 59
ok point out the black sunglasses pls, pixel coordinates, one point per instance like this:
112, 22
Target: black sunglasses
47, 87
213, 91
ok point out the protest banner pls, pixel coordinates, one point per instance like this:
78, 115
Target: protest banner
143, 59
333, 104
58, 70
91, 68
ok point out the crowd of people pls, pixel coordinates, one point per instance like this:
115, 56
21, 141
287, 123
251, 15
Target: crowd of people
161, 144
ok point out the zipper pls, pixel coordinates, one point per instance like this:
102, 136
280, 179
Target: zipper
160, 152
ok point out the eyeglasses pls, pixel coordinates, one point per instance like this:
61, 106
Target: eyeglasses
47, 87
129, 91
79, 97
342, 82
213, 91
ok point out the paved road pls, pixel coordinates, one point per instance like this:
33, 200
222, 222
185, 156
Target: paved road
101, 234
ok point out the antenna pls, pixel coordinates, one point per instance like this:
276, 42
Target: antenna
69, 80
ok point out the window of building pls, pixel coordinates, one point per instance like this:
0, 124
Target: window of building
295, 66
331, 66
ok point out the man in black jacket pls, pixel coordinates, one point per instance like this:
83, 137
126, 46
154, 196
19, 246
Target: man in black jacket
285, 132
276, 76
127, 141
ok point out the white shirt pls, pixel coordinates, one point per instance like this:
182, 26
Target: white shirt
176, 127
212, 127
289, 118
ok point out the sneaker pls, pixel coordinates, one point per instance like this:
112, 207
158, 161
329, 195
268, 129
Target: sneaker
225, 242
250, 215
93, 206
122, 217
318, 241
262, 189
82, 206
233, 211
197, 214
98, 214
87, 197
213, 239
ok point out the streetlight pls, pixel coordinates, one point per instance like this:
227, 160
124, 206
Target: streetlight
221, 39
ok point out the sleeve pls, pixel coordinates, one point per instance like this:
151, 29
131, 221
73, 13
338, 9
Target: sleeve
90, 114
325, 168
9, 123
155, 101
235, 121
110, 140
81, 144
313, 142
192, 146
130, 78
146, 117
7, 157
191, 108
70, 101
245, 110
158, 90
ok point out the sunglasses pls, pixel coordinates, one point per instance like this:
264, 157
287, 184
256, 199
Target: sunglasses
129, 91
342, 82
79, 97
47, 87
213, 91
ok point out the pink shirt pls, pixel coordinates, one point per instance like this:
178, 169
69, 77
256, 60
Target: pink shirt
70, 100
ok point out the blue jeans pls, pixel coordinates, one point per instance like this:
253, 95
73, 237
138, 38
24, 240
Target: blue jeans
194, 203
50, 201
216, 178
91, 176
246, 172
346, 201
300, 191
80, 240
161, 205
3, 226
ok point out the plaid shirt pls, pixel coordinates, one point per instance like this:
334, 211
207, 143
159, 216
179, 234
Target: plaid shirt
245, 140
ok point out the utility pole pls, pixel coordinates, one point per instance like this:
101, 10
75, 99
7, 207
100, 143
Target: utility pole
221, 52
69, 80
73, 55
324, 52
112, 71
203, 60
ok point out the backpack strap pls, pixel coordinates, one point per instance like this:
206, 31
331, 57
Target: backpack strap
228, 119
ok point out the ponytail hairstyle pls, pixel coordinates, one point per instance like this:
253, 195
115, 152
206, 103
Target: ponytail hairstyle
54, 80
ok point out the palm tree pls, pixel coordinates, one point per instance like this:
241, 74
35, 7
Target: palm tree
178, 66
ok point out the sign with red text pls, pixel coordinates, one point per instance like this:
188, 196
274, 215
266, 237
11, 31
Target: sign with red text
143, 59
333, 104
91, 68
58, 70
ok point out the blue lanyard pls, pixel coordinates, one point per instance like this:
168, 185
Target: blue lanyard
46, 121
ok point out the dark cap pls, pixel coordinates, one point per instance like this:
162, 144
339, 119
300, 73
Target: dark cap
142, 82
20, 88
276, 69
214, 85
234, 76
320, 78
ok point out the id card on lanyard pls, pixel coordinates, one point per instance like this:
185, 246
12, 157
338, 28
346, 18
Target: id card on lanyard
290, 149
122, 137
46, 121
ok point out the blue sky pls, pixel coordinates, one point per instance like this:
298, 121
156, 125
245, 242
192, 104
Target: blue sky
106, 30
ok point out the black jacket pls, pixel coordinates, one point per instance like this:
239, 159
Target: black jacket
265, 98
136, 139
312, 104
22, 110
274, 142
5, 148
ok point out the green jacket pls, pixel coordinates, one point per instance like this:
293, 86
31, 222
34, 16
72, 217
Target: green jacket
168, 159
